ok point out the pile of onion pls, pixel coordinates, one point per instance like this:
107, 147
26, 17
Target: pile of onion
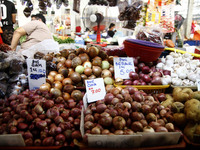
41, 118
145, 73
127, 111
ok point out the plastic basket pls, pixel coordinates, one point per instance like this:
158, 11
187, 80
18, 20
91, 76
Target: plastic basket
146, 53
149, 89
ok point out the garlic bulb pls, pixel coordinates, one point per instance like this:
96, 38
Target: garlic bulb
166, 80
160, 65
176, 81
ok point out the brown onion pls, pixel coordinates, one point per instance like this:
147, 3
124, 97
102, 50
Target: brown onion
67, 81
57, 84
53, 73
88, 71
137, 126
119, 122
59, 77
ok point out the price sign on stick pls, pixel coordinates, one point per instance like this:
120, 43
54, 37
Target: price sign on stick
122, 67
36, 73
198, 84
95, 89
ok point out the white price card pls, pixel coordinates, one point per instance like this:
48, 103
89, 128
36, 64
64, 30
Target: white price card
198, 84
36, 73
122, 67
95, 89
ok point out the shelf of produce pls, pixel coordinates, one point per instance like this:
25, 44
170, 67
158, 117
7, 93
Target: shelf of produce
155, 89
180, 145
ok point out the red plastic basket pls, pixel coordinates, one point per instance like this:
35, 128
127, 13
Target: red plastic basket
146, 53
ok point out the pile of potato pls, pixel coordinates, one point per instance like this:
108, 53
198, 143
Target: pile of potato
186, 107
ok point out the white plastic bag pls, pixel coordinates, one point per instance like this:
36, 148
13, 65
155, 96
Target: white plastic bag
46, 46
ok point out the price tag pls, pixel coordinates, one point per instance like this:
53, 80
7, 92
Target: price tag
122, 67
198, 84
95, 89
36, 73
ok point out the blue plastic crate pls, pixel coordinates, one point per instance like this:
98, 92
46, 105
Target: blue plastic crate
193, 42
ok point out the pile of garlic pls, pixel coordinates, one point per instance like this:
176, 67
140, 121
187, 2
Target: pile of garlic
184, 69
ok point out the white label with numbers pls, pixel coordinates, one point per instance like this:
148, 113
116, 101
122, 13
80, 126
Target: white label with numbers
122, 67
95, 89
36, 73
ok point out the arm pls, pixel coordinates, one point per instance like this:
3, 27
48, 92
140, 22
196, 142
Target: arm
16, 36
14, 18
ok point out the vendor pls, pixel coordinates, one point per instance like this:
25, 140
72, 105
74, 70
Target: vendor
111, 31
36, 31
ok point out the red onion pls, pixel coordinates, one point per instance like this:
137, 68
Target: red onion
131, 89
141, 65
161, 129
48, 104
75, 112
161, 122
156, 74
137, 126
128, 132
41, 124
133, 75
65, 114
101, 108
27, 135
119, 132
68, 134
108, 98
161, 97
146, 78
136, 116
49, 141
13, 130
28, 142
156, 81
38, 109
52, 113
58, 130
76, 135
119, 122
144, 122
58, 120
136, 82
77, 122
154, 124
145, 69
89, 117
115, 91
87, 111
65, 125
127, 82
136, 106
105, 121
96, 130
71, 104
137, 96
105, 132
88, 125
148, 129
60, 138
22, 126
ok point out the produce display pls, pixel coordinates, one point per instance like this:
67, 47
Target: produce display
146, 74
185, 104
41, 118
184, 69
74, 66
127, 111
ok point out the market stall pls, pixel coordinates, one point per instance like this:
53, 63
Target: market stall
89, 94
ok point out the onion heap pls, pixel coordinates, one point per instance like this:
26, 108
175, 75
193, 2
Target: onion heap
146, 73
75, 66
127, 111
41, 118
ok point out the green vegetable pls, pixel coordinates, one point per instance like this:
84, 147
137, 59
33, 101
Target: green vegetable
61, 41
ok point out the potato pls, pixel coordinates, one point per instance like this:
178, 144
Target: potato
195, 95
167, 102
189, 130
181, 95
180, 119
192, 110
177, 107
187, 90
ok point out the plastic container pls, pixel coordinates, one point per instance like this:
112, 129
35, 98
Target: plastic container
147, 51
149, 89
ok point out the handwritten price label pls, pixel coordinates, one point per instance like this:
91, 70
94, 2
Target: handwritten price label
36, 72
95, 89
122, 67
